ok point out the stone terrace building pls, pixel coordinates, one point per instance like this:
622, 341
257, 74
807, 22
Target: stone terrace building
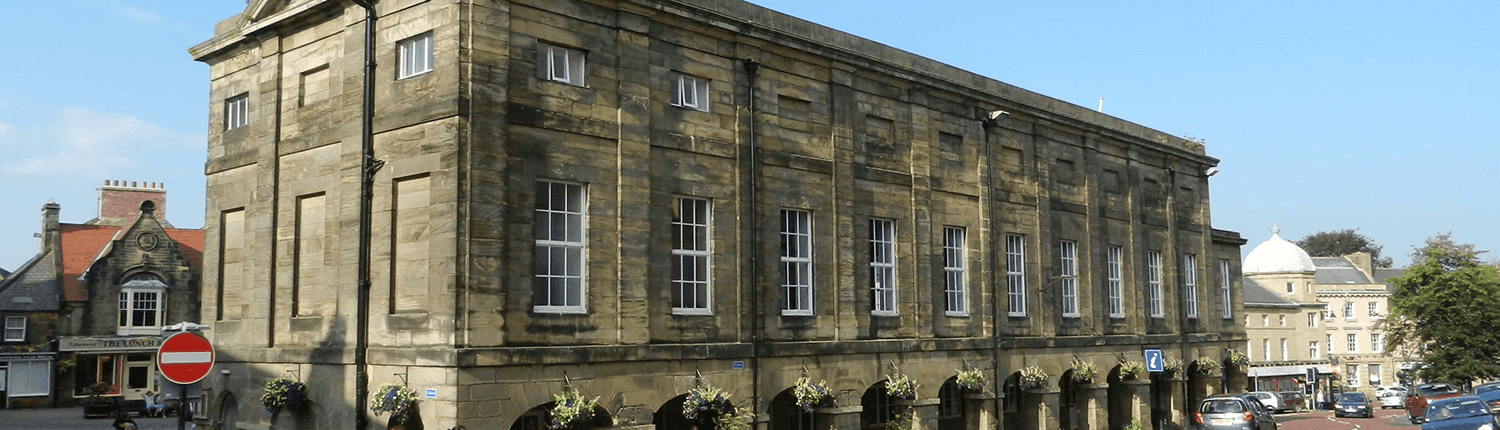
635, 198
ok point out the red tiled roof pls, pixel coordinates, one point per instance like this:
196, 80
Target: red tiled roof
190, 243
80, 245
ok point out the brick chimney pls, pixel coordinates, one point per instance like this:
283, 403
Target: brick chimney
120, 201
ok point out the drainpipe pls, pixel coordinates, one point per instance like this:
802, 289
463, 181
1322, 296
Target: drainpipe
755, 328
368, 166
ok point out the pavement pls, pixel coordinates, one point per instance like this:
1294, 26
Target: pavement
72, 418
1385, 419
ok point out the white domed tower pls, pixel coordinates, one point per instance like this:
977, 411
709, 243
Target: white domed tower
1283, 267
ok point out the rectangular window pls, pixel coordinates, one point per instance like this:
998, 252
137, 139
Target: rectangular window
1265, 346
955, 285
29, 378
1265, 320
414, 56
559, 237
882, 267
1353, 377
1312, 350
1190, 283
1375, 310
1330, 344
1312, 320
1281, 320
1067, 262
1116, 295
1289, 287
236, 111
1153, 284
15, 329
1286, 353
1353, 342
1348, 310
140, 312
691, 292
558, 64
690, 92
796, 263
1015, 274
1375, 375
1376, 346
1224, 288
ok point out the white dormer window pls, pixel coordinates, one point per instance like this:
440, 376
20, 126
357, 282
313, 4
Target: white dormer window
142, 304
690, 92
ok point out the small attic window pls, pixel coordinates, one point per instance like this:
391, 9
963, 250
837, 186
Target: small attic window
148, 206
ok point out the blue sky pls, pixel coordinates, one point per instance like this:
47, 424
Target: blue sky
1373, 115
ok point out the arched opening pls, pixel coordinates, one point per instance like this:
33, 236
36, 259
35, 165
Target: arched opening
786, 415
540, 418
229, 411
671, 416
951, 406
1067, 402
877, 407
1120, 396
1011, 405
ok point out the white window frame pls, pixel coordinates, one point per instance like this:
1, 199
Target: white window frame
1226, 289
955, 272
883, 267
1312, 349
1374, 310
690, 92
1348, 310
1374, 371
1190, 283
1114, 281
692, 257
1312, 320
237, 111
1352, 379
1153, 285
1067, 263
1265, 345
796, 263
133, 301
1015, 274
1286, 353
1352, 342
1376, 344
414, 56
28, 378
567, 241
559, 64
15, 329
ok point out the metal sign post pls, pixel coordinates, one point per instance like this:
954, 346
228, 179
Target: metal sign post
184, 358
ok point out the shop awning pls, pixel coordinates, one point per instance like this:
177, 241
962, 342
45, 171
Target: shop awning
1323, 369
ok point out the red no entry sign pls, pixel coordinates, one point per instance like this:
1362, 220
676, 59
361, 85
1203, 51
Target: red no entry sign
185, 358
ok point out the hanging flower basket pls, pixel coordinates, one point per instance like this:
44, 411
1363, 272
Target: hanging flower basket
900, 387
1237, 358
710, 407
1084, 371
1206, 366
1171, 366
810, 395
1033, 377
1130, 370
970, 380
282, 393
395, 398
571, 409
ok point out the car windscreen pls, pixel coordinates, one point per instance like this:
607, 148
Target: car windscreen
1461, 409
1352, 397
1437, 390
1225, 406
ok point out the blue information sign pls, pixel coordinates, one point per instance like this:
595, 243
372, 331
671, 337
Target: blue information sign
1154, 361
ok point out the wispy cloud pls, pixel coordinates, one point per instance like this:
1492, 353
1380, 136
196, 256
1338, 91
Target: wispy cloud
82, 140
134, 14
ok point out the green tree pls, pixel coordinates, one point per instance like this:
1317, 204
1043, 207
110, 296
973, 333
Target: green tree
1446, 307
1340, 243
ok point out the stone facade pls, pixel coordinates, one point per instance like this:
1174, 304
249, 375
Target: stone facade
632, 199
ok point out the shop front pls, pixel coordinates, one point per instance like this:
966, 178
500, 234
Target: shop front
26, 379
121, 367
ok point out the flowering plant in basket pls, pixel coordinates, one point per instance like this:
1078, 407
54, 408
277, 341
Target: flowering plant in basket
970, 380
900, 387
1033, 377
395, 398
711, 407
1084, 371
810, 395
282, 393
1238, 358
1206, 365
571, 409
1131, 369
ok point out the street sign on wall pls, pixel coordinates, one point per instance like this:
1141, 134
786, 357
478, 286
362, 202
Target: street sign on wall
1154, 361
185, 358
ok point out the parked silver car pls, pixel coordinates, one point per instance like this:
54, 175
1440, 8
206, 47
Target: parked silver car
1392, 399
1232, 412
1270, 400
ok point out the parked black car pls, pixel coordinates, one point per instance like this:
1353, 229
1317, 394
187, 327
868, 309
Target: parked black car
1353, 404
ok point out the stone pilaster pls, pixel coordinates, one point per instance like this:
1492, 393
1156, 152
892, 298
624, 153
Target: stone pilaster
1039, 408
1093, 400
841, 418
979, 411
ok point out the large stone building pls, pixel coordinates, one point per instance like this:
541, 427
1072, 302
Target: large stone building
1322, 312
83, 315
635, 198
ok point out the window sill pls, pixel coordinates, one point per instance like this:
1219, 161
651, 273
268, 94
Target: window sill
796, 313
559, 310
688, 312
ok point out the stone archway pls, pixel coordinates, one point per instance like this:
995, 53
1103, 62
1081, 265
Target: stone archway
1010, 404
786, 415
540, 417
